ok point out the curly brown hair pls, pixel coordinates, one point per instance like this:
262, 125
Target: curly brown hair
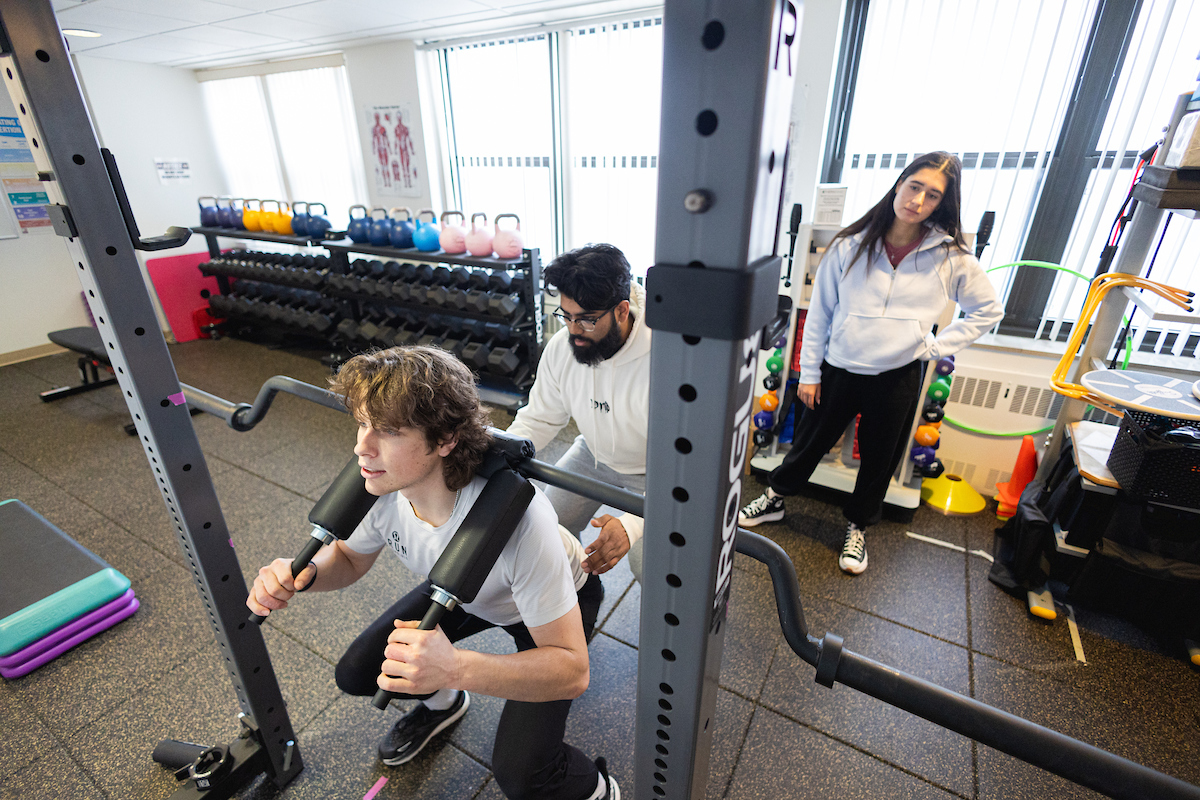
424, 388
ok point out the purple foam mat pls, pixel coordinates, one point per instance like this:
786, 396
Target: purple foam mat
51, 639
51, 646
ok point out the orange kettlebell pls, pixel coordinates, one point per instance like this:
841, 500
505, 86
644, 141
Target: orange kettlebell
283, 219
252, 217
266, 217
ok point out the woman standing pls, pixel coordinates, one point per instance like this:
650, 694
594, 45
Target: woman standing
881, 286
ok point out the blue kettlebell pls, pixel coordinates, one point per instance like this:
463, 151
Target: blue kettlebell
426, 235
402, 229
300, 218
225, 212
317, 224
359, 229
208, 212
380, 234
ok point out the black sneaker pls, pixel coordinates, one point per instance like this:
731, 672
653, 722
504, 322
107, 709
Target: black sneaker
614, 791
763, 509
854, 551
413, 731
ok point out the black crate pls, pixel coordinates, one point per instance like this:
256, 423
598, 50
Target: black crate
1149, 468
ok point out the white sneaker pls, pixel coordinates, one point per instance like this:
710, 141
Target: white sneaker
854, 551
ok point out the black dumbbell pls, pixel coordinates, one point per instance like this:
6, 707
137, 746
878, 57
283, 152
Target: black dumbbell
408, 334
506, 360
505, 306
482, 337
500, 281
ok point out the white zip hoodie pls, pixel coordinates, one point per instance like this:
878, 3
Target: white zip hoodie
871, 318
610, 402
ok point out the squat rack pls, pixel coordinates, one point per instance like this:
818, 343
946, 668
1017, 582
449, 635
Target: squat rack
729, 68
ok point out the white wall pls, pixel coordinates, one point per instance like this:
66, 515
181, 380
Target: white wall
40, 291
383, 75
140, 112
143, 112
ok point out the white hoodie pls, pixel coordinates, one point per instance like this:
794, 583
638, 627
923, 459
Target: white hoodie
868, 318
610, 402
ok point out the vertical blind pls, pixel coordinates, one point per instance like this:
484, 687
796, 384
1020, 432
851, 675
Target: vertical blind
501, 133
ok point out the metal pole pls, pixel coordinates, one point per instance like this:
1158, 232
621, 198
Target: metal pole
39, 75
727, 89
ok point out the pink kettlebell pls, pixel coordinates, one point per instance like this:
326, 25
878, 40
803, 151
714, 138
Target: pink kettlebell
453, 238
508, 244
479, 239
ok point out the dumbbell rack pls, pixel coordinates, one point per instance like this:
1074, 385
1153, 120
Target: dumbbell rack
355, 305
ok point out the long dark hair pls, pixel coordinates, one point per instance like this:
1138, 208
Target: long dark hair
879, 219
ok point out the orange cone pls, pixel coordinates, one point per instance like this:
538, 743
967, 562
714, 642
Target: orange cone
1023, 472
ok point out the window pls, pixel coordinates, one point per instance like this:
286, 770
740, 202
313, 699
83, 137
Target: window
572, 119
502, 134
1052, 102
274, 142
611, 103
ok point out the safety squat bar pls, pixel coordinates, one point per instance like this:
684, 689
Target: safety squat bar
1050, 750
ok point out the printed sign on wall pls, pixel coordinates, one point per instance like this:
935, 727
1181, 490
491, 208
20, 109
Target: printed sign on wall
394, 151
173, 170
23, 192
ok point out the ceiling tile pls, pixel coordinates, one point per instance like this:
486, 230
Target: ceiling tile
94, 15
179, 46
262, 5
134, 51
108, 35
278, 25
362, 15
229, 37
192, 11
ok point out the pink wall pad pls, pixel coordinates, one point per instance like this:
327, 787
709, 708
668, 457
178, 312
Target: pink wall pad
178, 282
67, 644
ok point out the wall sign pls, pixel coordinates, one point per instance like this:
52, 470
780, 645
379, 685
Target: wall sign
25, 199
394, 151
173, 170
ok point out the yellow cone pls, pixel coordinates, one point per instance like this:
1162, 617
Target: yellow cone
951, 495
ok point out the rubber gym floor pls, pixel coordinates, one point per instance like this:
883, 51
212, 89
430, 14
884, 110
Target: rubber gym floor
84, 725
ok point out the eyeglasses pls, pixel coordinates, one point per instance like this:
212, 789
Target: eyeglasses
586, 324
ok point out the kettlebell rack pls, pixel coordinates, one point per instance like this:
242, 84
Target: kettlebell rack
486, 311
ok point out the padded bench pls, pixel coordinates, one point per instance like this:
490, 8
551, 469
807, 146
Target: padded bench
87, 342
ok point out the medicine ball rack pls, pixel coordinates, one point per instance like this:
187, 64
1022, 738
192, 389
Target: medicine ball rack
486, 311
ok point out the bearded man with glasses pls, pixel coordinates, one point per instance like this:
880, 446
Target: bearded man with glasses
596, 370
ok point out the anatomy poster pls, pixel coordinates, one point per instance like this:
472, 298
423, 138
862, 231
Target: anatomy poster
394, 151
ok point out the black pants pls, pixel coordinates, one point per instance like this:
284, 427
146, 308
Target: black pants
887, 402
530, 758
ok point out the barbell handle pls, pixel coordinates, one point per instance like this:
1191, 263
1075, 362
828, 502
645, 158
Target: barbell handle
299, 563
432, 616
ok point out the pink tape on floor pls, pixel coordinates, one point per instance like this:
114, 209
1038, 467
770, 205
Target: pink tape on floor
379, 784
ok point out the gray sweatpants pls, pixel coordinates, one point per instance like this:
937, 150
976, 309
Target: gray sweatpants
575, 512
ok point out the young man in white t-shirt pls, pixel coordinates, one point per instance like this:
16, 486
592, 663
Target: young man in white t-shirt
421, 437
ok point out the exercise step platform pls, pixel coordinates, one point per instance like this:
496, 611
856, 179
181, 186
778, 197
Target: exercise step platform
57, 594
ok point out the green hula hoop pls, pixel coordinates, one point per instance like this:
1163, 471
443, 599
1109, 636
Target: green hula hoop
1041, 265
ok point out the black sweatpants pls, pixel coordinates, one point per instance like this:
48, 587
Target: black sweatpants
529, 758
887, 402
